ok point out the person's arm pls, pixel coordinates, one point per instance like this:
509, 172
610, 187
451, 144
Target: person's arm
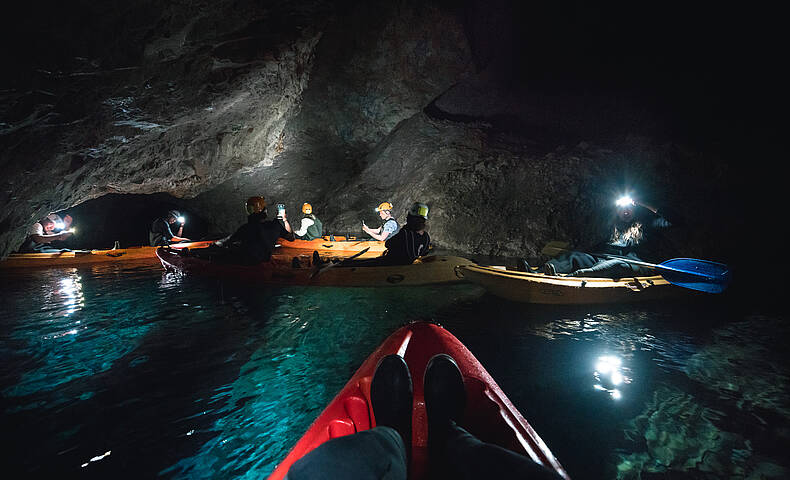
306, 222
371, 231
377, 234
285, 229
48, 238
660, 220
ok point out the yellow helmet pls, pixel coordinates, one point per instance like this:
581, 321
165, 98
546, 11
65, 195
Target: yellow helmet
419, 210
385, 206
255, 205
307, 209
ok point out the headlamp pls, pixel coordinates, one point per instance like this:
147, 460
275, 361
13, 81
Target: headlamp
181, 220
625, 201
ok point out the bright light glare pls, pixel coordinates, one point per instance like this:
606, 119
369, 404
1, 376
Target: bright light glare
617, 378
72, 230
625, 201
182, 220
59, 225
607, 364
616, 394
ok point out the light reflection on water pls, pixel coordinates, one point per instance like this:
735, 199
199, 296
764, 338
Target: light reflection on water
205, 379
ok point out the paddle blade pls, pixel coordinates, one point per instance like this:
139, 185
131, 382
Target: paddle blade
701, 275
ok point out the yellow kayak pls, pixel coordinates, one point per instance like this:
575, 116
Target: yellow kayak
555, 290
90, 257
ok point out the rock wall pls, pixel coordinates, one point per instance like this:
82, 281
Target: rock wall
518, 123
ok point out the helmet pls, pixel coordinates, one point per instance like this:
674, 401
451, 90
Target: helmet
419, 210
255, 205
174, 213
307, 209
385, 206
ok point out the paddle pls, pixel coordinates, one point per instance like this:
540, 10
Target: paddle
702, 275
330, 265
555, 247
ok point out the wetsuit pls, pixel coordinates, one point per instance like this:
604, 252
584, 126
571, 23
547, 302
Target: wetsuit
160, 233
254, 241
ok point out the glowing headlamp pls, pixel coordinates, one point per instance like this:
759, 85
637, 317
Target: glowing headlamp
625, 201
59, 225
72, 230
181, 220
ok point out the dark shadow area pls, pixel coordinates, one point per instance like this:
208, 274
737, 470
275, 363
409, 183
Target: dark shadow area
126, 219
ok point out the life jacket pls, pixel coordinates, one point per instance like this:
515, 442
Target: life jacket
316, 230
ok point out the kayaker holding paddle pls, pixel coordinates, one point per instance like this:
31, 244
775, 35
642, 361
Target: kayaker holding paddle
383, 451
255, 240
633, 234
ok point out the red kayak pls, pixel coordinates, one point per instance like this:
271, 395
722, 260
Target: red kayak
489, 414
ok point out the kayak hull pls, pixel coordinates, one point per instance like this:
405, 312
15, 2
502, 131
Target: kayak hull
332, 247
432, 269
489, 413
555, 290
91, 257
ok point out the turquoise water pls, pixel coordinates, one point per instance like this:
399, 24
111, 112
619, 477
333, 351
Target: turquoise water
137, 373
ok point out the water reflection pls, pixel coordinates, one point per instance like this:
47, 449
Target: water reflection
610, 376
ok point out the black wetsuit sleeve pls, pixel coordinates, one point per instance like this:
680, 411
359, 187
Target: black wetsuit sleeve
285, 233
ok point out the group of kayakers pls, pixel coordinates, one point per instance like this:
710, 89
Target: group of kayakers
255, 241
631, 235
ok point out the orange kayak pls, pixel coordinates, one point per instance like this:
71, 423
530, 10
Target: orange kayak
331, 247
489, 414
90, 257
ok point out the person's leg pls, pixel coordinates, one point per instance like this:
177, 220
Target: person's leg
466, 457
569, 262
376, 454
611, 268
455, 453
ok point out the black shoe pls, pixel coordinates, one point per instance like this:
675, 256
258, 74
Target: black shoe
523, 265
391, 396
445, 398
549, 269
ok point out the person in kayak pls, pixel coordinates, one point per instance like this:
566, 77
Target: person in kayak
311, 227
634, 233
41, 234
254, 241
383, 451
390, 226
160, 234
407, 245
